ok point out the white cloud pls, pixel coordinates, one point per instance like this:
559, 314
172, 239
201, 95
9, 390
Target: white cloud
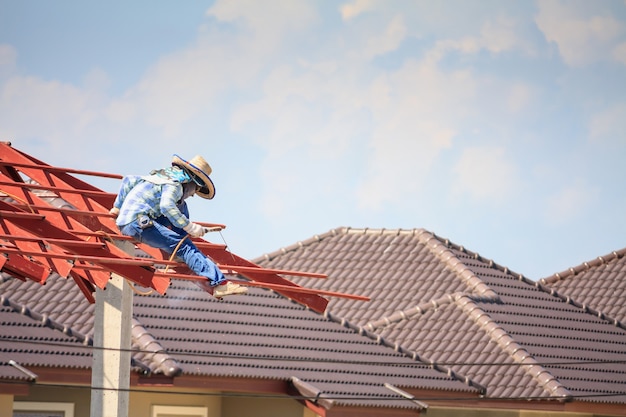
519, 97
502, 34
351, 10
189, 84
388, 41
619, 53
417, 111
609, 125
414, 112
31, 107
581, 38
496, 35
268, 24
177, 89
8, 57
569, 203
487, 175
403, 119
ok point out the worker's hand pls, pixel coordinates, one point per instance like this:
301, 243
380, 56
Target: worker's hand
114, 212
195, 230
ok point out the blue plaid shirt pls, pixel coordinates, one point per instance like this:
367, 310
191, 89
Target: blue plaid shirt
139, 196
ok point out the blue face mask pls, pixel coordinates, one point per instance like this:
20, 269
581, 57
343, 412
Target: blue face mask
174, 173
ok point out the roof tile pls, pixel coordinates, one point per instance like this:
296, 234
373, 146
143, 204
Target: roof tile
259, 335
507, 330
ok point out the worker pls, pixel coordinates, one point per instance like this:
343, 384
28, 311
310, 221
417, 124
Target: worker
152, 210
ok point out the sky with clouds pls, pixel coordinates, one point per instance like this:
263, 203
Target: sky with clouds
500, 126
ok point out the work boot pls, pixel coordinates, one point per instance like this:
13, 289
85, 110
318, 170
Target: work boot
228, 288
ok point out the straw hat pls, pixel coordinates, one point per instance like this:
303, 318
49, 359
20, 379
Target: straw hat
199, 170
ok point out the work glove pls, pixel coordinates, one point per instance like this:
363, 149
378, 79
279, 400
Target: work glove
114, 211
195, 230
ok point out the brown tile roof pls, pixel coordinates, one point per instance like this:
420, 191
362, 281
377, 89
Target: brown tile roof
450, 306
55, 308
598, 285
266, 336
261, 335
30, 340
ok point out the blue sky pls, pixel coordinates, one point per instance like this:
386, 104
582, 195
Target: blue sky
500, 126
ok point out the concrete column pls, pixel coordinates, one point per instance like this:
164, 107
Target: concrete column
110, 377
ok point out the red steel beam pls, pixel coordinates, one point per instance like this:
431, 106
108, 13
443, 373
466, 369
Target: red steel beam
30, 243
24, 268
302, 290
61, 170
203, 283
33, 186
106, 260
314, 301
261, 270
42, 174
46, 229
50, 240
63, 227
85, 287
16, 192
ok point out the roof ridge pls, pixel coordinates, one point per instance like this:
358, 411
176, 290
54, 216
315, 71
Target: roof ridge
510, 346
400, 315
164, 361
442, 251
583, 306
544, 284
380, 231
409, 353
300, 244
573, 271
334, 232
492, 264
45, 320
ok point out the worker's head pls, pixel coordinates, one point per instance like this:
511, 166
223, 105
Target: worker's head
199, 171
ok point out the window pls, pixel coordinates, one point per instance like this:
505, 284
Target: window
36, 409
178, 411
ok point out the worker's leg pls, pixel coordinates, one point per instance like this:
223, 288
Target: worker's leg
163, 238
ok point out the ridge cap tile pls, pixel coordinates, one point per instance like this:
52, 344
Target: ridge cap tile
585, 266
442, 252
513, 348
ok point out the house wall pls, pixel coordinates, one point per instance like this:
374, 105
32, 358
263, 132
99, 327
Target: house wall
262, 407
309, 413
477, 412
80, 396
6, 405
140, 403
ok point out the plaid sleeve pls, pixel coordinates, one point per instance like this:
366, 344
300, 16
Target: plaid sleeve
170, 195
128, 183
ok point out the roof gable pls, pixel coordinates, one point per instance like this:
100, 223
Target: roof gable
598, 286
261, 335
452, 307
30, 339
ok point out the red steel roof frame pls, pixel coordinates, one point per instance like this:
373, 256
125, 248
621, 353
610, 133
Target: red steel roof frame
38, 238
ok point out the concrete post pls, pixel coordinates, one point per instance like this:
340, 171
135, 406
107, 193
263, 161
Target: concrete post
110, 374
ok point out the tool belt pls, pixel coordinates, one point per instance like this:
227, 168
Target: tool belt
144, 221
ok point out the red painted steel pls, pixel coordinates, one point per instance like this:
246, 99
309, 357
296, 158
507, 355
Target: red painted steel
37, 238
61, 170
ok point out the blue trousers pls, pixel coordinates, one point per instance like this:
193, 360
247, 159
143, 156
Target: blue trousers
164, 236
